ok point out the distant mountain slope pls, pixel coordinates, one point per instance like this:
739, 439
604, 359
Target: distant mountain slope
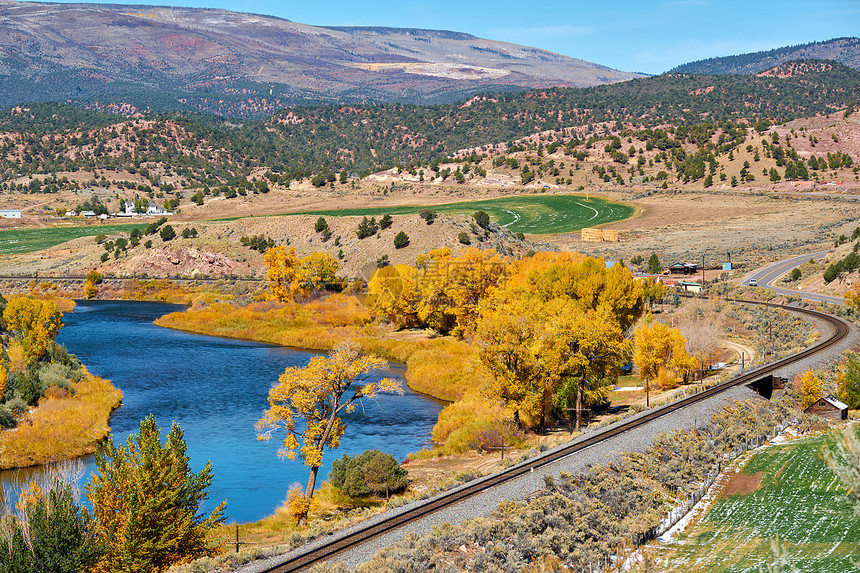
50, 138
162, 58
843, 50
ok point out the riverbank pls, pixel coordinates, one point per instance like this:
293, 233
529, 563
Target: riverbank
65, 424
437, 366
73, 411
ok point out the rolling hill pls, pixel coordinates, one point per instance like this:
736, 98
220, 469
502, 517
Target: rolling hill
842, 50
127, 58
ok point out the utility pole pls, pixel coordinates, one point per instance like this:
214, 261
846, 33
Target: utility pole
770, 335
703, 272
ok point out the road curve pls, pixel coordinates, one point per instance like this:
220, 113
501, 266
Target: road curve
767, 275
326, 548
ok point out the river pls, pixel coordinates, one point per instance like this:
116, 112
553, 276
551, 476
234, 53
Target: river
216, 389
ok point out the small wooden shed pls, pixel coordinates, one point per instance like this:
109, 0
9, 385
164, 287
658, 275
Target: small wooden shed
828, 407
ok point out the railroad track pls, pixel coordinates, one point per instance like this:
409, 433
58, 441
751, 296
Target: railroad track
81, 278
354, 538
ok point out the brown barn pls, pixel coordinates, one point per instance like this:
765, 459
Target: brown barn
828, 407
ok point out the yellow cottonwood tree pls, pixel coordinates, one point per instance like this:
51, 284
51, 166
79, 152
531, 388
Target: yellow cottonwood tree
393, 293
852, 296
654, 290
810, 389
317, 395
34, 323
434, 306
471, 277
595, 349
519, 351
317, 271
4, 376
660, 349
590, 284
289, 276
91, 288
282, 272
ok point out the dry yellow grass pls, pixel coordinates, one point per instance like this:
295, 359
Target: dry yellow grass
435, 366
63, 426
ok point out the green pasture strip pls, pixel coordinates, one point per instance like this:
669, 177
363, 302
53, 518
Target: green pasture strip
532, 214
801, 503
16, 241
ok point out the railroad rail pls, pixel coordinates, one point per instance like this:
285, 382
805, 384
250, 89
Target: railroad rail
81, 278
361, 535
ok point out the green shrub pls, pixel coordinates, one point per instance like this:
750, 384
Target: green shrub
464, 238
367, 227
167, 233
54, 375
482, 218
429, 215
401, 240
53, 535
7, 418
17, 406
371, 472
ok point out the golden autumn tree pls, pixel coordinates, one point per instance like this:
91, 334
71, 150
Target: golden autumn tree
307, 403
810, 389
653, 290
594, 349
471, 276
317, 271
524, 360
393, 293
591, 284
282, 272
91, 288
434, 306
4, 374
522, 269
852, 296
35, 323
146, 502
290, 277
659, 350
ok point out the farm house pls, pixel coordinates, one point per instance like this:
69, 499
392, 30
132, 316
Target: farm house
828, 407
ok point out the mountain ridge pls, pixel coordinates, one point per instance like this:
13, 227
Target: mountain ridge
172, 58
844, 50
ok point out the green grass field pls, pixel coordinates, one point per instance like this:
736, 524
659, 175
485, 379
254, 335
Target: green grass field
16, 241
532, 214
800, 502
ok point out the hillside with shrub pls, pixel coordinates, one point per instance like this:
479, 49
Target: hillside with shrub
299, 143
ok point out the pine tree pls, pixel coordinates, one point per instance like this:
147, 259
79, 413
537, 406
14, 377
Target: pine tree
654, 266
147, 502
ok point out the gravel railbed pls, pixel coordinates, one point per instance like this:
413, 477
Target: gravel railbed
485, 503
639, 440
821, 359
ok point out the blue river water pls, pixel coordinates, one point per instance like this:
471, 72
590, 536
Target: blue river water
216, 389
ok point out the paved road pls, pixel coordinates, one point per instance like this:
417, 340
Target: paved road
772, 272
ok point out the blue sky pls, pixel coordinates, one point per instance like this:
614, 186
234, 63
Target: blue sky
630, 35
